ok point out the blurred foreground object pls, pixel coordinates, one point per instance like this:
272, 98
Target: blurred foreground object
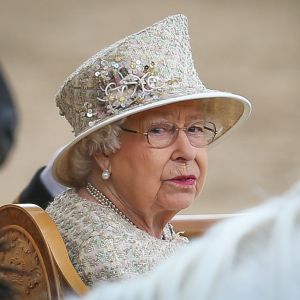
35, 249
6, 291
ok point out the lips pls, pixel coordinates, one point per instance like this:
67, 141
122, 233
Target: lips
184, 180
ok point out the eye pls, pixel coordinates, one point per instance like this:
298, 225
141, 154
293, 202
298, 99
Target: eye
160, 129
195, 129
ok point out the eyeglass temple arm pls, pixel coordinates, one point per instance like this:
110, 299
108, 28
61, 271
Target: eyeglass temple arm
133, 131
214, 130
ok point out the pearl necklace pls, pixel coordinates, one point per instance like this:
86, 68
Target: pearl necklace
102, 199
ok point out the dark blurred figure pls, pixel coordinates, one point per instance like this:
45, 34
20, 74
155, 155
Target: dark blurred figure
8, 120
42, 187
8, 125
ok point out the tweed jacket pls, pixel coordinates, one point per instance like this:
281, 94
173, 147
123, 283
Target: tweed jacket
104, 246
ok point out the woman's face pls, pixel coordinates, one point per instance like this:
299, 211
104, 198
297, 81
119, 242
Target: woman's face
165, 179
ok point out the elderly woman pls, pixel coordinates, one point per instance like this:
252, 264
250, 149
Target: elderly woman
143, 121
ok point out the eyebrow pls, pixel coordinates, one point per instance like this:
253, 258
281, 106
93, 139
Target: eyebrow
163, 116
144, 123
166, 115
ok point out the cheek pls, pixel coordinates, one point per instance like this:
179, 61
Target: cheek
149, 168
156, 162
202, 163
139, 159
139, 168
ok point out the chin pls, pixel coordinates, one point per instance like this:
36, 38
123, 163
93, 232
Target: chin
180, 202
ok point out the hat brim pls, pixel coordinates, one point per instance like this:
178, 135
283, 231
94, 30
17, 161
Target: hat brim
226, 109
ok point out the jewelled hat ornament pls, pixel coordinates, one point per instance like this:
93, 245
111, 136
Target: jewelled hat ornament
151, 68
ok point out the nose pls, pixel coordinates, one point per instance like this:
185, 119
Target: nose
183, 150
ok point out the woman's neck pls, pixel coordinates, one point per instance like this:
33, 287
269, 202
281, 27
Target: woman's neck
149, 221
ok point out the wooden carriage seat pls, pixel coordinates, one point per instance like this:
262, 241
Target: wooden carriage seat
36, 248
192, 226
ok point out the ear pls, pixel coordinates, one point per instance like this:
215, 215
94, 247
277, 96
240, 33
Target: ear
102, 161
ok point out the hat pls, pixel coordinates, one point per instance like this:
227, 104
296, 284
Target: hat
148, 69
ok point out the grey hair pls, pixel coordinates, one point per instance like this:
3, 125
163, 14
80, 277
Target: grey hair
105, 140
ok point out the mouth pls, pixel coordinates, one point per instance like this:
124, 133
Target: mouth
188, 180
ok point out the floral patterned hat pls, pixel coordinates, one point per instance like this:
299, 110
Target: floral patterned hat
148, 69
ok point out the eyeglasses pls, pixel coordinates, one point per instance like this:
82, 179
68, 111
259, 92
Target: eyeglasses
162, 135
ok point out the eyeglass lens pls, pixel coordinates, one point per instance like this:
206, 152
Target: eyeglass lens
200, 134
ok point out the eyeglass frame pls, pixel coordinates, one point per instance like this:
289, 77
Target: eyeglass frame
146, 134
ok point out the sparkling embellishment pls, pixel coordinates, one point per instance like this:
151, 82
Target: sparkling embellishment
118, 58
103, 200
123, 87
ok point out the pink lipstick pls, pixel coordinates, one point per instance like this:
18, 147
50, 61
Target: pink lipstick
187, 180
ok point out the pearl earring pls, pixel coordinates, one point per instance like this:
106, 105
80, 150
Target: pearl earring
105, 174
